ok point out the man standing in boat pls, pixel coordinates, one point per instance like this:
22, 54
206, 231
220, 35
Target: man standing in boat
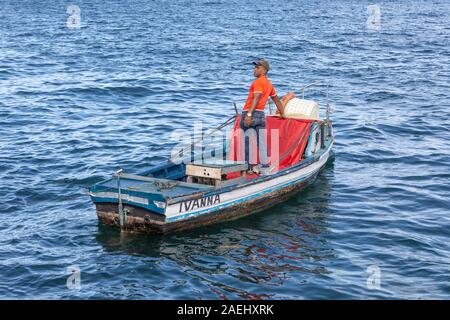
253, 117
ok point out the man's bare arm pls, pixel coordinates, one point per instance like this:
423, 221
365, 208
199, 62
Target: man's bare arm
279, 105
256, 97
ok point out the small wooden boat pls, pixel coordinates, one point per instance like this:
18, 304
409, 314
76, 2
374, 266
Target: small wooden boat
173, 196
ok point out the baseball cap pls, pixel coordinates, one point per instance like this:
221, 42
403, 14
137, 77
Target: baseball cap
263, 63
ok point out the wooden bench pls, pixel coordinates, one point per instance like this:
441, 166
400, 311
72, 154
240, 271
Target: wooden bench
213, 172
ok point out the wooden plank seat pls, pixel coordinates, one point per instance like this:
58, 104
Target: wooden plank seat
213, 172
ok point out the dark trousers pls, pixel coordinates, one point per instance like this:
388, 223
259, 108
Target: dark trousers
257, 127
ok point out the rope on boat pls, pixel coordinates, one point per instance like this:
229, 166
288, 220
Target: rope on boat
160, 185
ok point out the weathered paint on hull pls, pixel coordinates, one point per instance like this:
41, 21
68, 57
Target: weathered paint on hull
141, 220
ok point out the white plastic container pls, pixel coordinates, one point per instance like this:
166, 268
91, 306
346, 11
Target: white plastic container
302, 109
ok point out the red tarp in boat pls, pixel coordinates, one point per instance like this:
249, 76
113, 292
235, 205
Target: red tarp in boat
293, 137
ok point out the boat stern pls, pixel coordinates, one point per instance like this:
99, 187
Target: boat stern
138, 203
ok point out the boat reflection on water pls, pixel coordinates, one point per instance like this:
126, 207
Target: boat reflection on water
245, 258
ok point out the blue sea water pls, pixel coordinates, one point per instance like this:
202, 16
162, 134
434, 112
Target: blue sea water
76, 104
